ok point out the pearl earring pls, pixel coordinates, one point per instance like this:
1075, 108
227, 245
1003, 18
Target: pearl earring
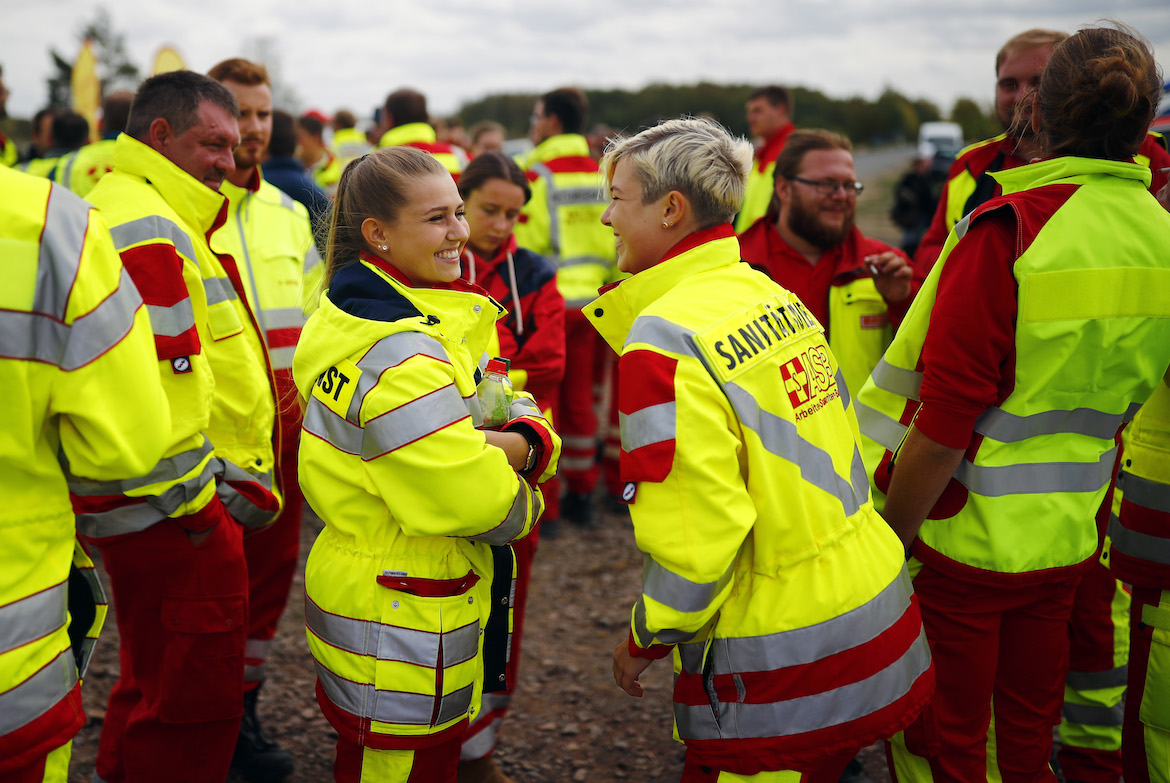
665, 224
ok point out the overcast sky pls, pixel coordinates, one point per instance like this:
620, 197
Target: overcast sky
351, 54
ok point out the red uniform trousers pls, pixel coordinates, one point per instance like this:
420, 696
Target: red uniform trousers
357, 764
480, 739
1009, 644
827, 770
576, 414
1093, 644
1138, 760
272, 555
175, 710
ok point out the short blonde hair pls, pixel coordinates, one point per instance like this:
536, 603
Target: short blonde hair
696, 157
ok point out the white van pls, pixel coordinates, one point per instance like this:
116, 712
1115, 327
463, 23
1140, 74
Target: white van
940, 138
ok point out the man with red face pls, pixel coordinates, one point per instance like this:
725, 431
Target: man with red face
858, 288
1018, 66
172, 540
269, 234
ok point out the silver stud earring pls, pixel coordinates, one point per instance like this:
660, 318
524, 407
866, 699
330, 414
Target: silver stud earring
383, 247
665, 224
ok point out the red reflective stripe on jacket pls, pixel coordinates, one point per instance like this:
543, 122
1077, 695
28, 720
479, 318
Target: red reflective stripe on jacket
157, 272
285, 337
35, 739
645, 379
572, 164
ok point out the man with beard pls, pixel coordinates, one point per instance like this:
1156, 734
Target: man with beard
1018, 66
858, 288
269, 235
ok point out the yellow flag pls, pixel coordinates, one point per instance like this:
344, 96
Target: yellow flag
86, 88
167, 60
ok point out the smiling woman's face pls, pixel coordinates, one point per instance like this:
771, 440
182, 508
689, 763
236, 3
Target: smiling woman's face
637, 227
425, 242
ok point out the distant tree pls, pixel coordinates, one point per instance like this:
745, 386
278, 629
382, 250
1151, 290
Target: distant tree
115, 69
976, 122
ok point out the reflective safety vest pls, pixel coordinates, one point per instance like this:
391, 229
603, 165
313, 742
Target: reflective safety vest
859, 328
562, 220
349, 144
40, 167
398, 584
327, 171
761, 182
8, 151
211, 364
81, 169
78, 371
1139, 527
422, 136
786, 594
1092, 339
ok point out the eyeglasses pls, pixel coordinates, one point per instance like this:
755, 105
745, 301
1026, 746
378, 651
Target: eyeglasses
828, 187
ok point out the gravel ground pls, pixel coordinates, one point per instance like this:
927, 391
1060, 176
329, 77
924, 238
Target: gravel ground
569, 721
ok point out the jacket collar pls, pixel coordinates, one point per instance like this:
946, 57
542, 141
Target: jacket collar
190, 198
1044, 172
613, 312
409, 133
560, 146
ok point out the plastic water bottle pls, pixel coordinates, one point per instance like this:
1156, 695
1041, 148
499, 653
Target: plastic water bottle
495, 394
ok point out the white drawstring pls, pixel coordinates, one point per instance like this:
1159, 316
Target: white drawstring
515, 296
470, 265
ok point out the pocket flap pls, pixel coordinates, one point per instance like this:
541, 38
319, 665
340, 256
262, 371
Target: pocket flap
208, 615
430, 588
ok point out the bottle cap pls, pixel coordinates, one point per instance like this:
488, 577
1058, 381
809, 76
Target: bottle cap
498, 365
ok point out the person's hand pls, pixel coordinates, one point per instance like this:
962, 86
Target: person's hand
513, 444
627, 669
891, 275
1164, 196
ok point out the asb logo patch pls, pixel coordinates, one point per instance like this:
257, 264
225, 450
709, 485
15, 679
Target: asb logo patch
629, 492
809, 381
181, 364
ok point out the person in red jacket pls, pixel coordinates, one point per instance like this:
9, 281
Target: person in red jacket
532, 336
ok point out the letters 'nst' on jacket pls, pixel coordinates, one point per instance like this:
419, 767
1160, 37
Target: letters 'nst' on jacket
78, 372
1092, 339
416, 504
786, 594
211, 359
269, 236
1139, 527
562, 220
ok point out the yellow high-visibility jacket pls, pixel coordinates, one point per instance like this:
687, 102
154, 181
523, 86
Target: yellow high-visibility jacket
398, 583
211, 365
77, 370
785, 593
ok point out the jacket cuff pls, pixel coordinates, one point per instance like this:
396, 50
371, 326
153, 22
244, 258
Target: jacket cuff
538, 437
651, 653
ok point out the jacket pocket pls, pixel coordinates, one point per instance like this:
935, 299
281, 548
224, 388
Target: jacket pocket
203, 659
428, 662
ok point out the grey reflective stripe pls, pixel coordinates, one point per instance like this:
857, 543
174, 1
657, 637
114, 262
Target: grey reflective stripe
653, 424
663, 334
1140, 546
153, 227
812, 643
1037, 477
878, 426
219, 290
899, 381
283, 318
89, 573
167, 469
806, 714
1088, 715
287, 201
171, 321
253, 673
523, 506
257, 648
65, 175
62, 242
103, 327
353, 149
33, 617
282, 358
554, 229
522, 406
579, 195
392, 642
1011, 428
1091, 681
563, 263
645, 637
413, 421
1140, 491
43, 338
239, 506
578, 442
331, 428
312, 258
390, 351
961, 227
32, 698
365, 701
676, 591
841, 387
781, 437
